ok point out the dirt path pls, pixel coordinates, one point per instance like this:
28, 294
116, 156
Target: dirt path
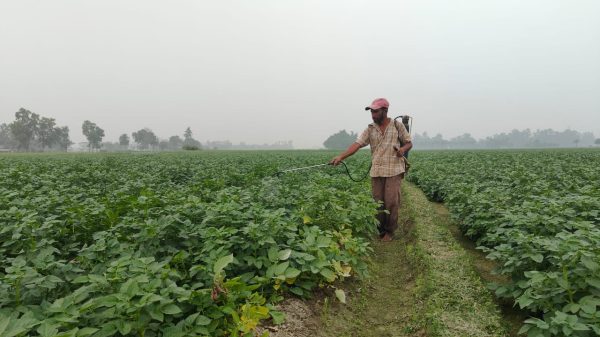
423, 284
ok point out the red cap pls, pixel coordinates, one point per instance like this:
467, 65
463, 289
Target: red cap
378, 103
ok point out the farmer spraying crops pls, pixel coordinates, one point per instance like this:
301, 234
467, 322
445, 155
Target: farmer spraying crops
388, 146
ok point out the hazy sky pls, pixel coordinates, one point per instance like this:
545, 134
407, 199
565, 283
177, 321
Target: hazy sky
261, 71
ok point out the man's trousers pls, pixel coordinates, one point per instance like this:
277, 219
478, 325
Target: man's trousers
387, 190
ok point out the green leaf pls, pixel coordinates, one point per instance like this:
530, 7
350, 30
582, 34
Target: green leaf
124, 327
129, 288
341, 295
580, 327
108, 329
222, 263
278, 316
280, 268
291, 272
107, 301
284, 254
328, 274
190, 320
170, 309
537, 322
98, 279
589, 263
70, 333
46, 329
588, 304
572, 308
4, 321
537, 257
323, 241
594, 282
297, 290
81, 279
53, 279
273, 254
203, 320
155, 313
524, 301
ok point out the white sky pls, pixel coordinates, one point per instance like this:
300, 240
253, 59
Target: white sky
267, 70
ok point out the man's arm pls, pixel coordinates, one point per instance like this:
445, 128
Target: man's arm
350, 151
402, 150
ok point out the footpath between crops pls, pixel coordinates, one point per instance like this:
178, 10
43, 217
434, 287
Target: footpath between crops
425, 283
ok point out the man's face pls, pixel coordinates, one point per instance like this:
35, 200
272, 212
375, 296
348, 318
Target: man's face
378, 115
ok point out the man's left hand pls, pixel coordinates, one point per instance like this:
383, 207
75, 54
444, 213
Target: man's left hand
399, 151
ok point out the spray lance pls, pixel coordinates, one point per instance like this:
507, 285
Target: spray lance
406, 121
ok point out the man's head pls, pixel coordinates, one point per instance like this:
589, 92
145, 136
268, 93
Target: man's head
379, 109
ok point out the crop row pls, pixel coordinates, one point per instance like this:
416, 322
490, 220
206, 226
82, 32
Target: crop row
537, 213
171, 244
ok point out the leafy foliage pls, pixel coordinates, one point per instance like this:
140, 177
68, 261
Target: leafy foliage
177, 244
537, 213
93, 133
145, 138
340, 140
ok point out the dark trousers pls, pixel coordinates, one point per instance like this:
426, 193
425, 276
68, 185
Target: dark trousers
387, 190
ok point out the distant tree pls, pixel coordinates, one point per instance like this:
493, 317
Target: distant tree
597, 141
93, 133
46, 133
24, 128
61, 134
189, 143
124, 140
163, 145
145, 138
340, 140
519, 139
465, 141
586, 139
501, 140
187, 134
175, 143
439, 142
7, 139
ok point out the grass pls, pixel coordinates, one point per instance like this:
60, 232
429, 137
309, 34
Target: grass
457, 302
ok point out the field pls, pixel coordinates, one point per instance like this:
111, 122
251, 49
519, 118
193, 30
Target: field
537, 214
171, 244
206, 243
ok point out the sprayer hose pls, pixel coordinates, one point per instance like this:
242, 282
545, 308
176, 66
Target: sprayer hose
352, 178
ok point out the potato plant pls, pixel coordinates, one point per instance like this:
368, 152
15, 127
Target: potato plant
537, 213
198, 244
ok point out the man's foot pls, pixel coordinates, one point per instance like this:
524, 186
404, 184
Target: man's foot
386, 238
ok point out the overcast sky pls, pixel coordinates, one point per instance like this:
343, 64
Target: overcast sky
262, 71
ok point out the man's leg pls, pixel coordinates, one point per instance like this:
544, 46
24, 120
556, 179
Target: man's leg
378, 191
391, 203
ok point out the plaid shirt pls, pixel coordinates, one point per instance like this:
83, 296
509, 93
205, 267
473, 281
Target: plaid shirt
385, 161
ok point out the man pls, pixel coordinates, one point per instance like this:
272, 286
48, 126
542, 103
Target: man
387, 157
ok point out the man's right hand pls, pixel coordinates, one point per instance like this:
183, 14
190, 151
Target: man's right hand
336, 161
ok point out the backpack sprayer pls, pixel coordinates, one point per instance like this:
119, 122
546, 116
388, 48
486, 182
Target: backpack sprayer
406, 121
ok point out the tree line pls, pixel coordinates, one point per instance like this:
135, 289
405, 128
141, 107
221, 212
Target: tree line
32, 132
546, 138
